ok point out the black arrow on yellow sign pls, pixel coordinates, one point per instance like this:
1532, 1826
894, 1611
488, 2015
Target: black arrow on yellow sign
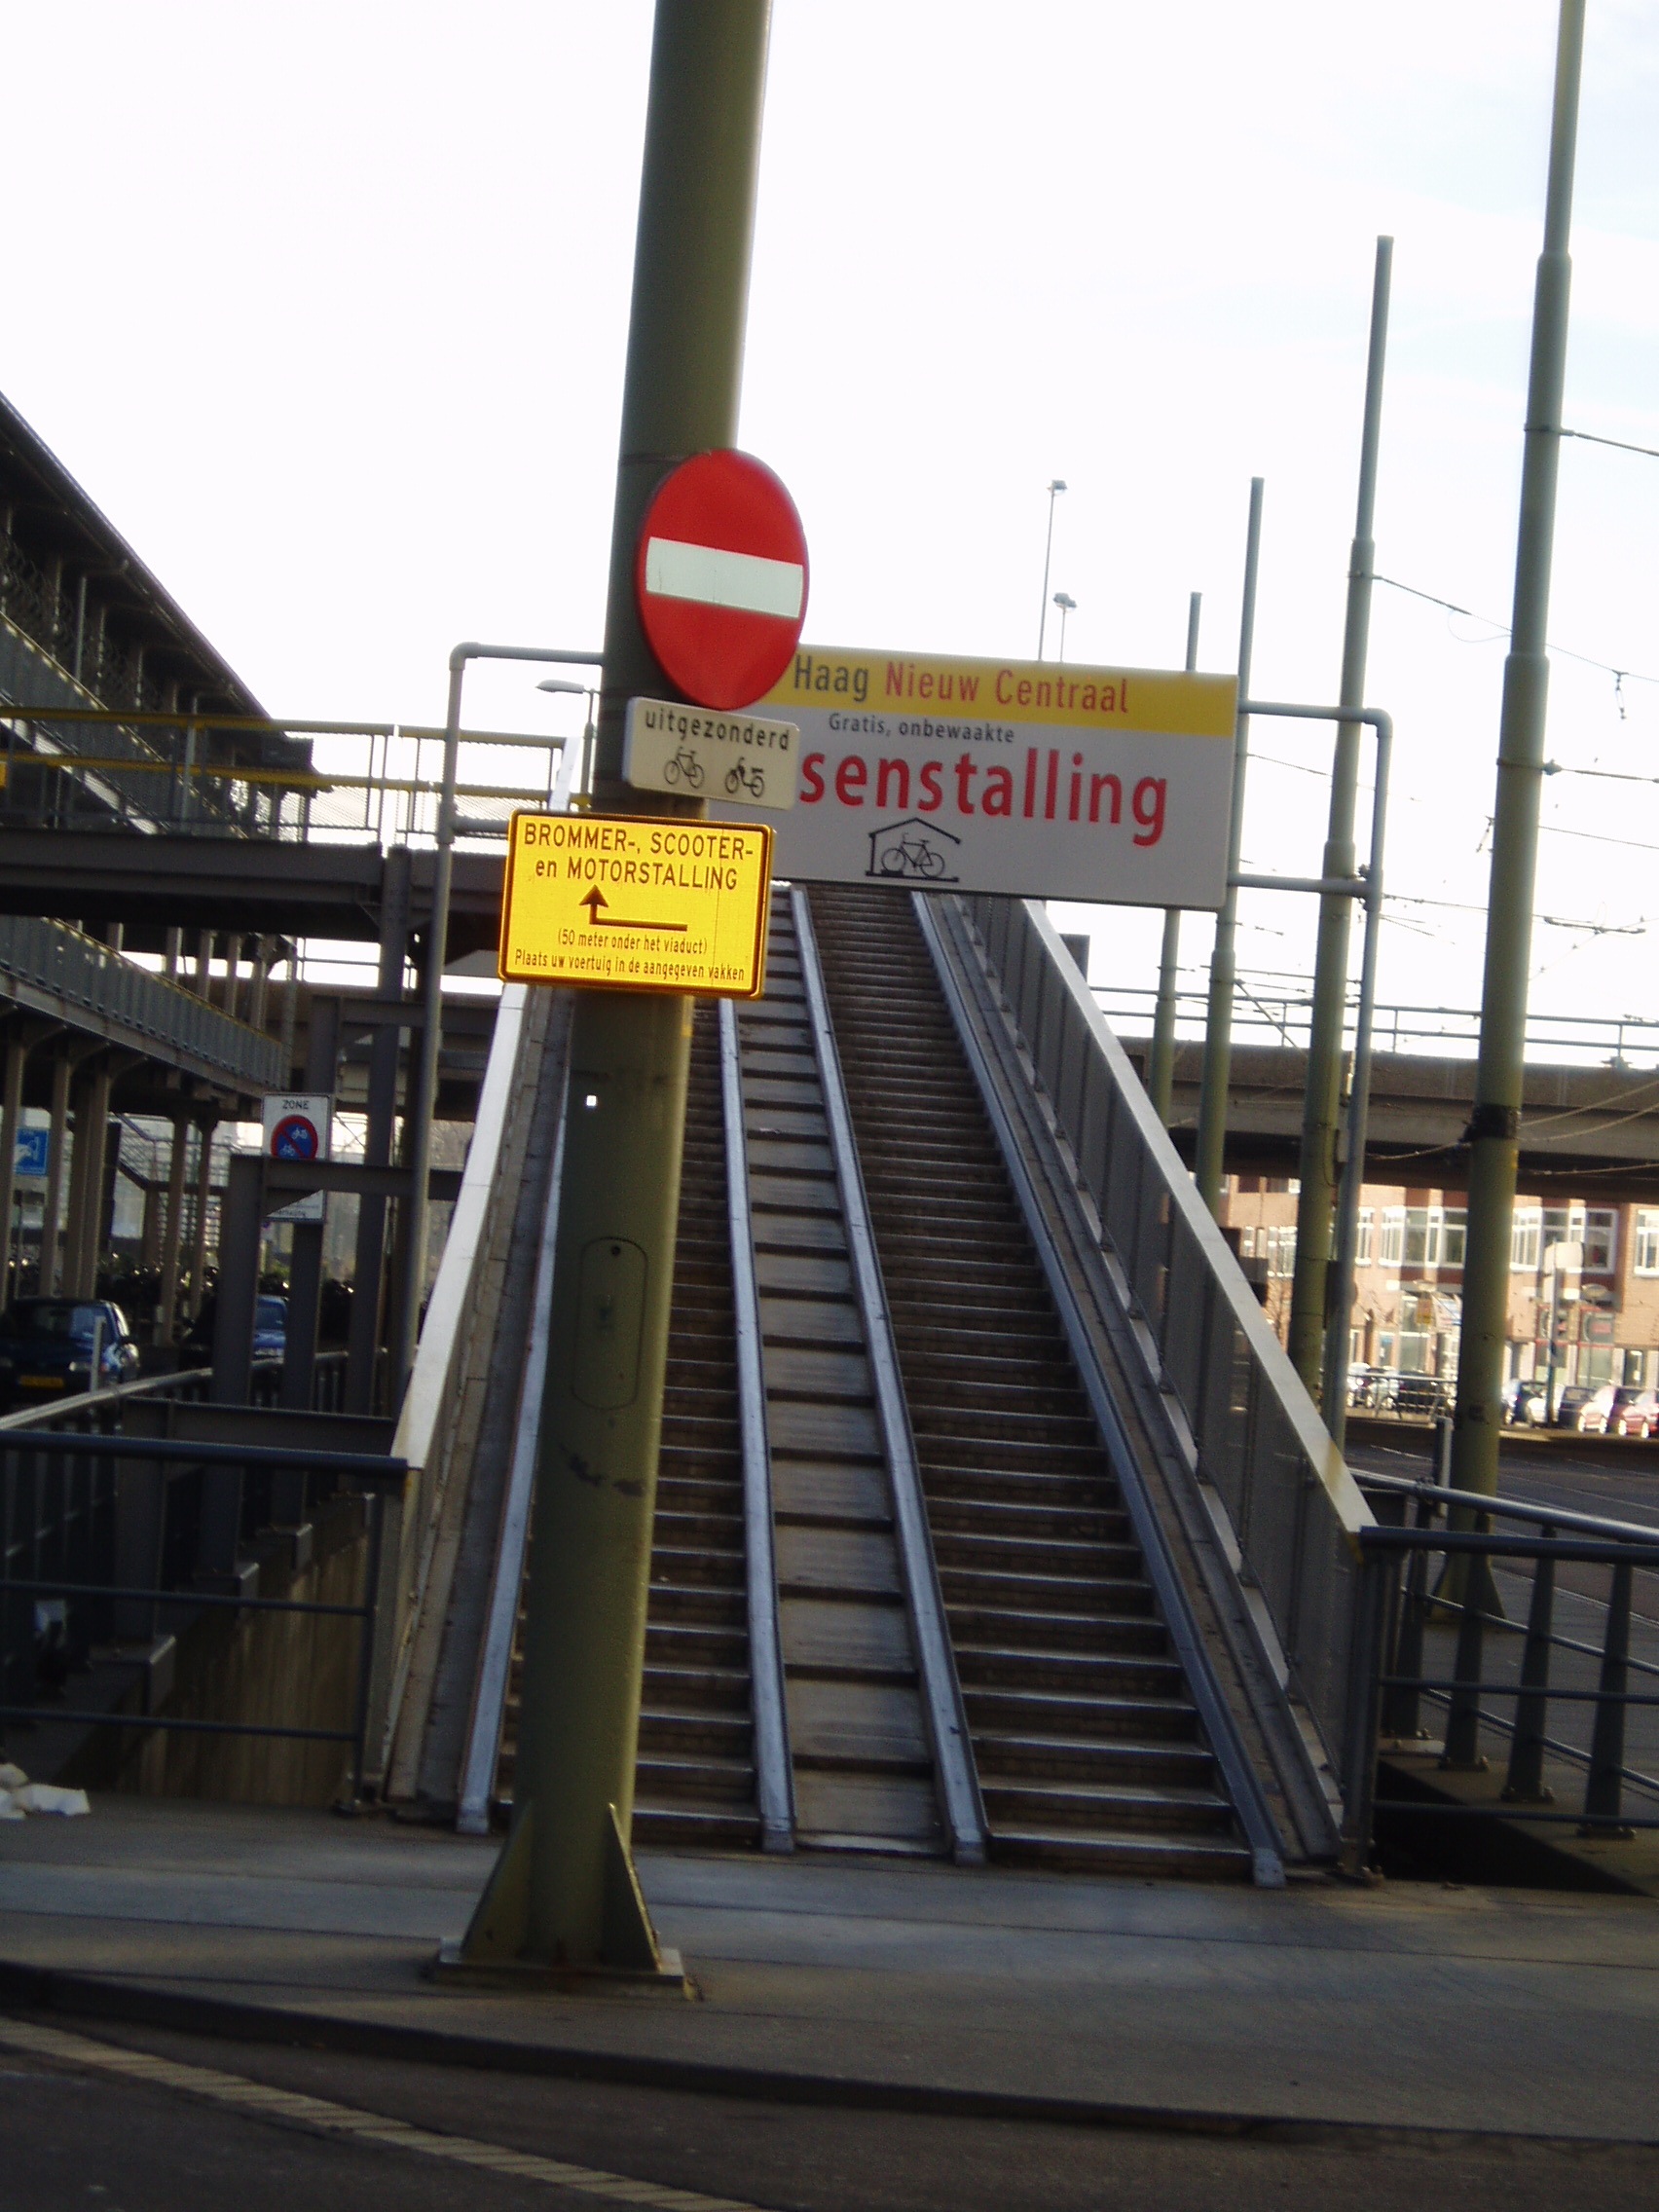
596, 899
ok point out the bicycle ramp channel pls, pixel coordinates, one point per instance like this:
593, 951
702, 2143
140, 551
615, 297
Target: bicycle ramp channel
938, 1569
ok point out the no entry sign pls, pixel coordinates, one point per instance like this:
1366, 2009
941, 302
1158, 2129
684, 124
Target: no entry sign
721, 578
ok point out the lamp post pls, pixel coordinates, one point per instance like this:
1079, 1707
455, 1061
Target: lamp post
1054, 490
580, 691
423, 1105
1064, 601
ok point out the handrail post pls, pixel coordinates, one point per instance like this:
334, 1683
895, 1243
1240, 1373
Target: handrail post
1359, 1780
1464, 1712
364, 1692
1525, 1780
1603, 1788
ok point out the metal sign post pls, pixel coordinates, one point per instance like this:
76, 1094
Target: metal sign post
1495, 1126
1160, 1066
1368, 888
1311, 1311
563, 1898
1223, 963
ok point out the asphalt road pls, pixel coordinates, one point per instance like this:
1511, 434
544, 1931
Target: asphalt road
71, 2137
1582, 1482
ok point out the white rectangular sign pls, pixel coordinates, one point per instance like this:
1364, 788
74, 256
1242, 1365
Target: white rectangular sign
701, 753
1032, 779
299, 1125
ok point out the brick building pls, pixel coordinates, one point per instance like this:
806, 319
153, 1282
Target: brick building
1604, 1289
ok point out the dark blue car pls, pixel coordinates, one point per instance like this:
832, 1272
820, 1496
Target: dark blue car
47, 1346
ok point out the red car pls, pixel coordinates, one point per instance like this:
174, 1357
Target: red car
1619, 1410
1637, 1415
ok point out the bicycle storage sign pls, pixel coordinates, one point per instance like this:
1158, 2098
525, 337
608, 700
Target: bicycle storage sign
697, 752
1034, 779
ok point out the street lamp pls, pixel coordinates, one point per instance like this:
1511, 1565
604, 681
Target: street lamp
580, 691
1064, 601
1054, 490
422, 1106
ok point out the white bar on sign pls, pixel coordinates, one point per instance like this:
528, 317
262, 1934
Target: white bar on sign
677, 569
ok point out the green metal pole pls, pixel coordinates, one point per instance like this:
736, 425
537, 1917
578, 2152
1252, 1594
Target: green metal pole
1321, 1105
563, 1892
1223, 972
1162, 1075
1493, 1129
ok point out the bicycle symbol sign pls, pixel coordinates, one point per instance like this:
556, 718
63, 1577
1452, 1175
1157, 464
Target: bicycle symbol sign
295, 1137
696, 753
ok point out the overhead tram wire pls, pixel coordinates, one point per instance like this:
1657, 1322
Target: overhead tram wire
1501, 629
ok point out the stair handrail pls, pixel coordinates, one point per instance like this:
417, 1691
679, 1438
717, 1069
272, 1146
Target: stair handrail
426, 1428
941, 1691
483, 1744
1253, 1434
774, 1772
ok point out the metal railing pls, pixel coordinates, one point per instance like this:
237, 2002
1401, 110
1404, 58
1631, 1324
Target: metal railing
78, 975
774, 1769
84, 767
1268, 1010
1531, 1638
942, 1700
105, 1540
1293, 1510
483, 1746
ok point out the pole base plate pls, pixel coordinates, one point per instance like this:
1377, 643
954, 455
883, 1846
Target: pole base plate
452, 1967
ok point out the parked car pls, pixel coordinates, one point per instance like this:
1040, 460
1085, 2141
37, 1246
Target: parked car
1420, 1394
270, 1328
1571, 1405
1525, 1405
1637, 1415
1605, 1414
1369, 1387
47, 1348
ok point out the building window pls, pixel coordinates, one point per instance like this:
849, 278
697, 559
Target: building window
1279, 1246
1362, 1237
1455, 1236
1646, 1256
1246, 1244
1526, 1232
1600, 1240
1393, 1235
1416, 1345
1423, 1237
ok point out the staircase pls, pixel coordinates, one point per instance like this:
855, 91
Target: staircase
1087, 1746
694, 1781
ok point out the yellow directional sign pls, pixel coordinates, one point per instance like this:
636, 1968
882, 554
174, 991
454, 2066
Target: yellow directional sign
629, 904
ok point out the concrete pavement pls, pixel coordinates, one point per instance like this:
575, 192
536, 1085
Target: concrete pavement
863, 1982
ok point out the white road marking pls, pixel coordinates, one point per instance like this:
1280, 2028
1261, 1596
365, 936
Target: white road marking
320, 2116
744, 582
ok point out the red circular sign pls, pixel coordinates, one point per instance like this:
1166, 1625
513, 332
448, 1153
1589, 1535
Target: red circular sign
721, 578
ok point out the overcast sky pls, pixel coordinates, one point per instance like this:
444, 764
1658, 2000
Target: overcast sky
326, 307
